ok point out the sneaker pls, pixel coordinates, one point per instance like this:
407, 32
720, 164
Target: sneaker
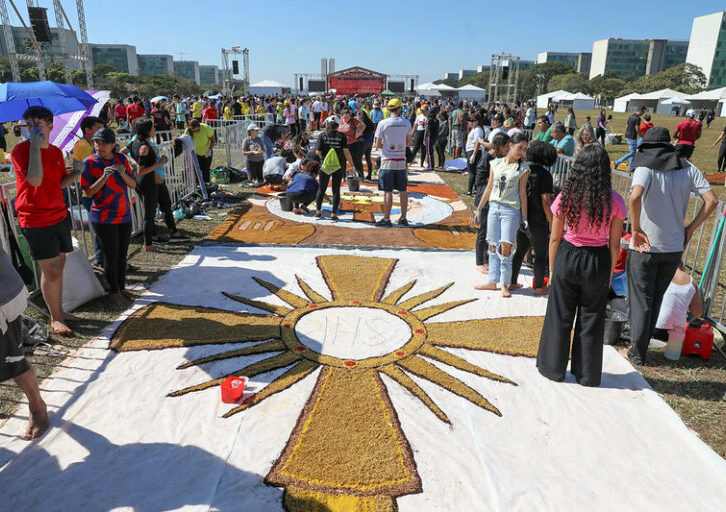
334, 218
403, 222
384, 223
318, 215
298, 211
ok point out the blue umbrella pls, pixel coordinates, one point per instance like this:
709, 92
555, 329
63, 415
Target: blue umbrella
15, 98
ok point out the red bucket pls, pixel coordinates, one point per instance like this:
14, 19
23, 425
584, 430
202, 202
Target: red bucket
232, 389
546, 280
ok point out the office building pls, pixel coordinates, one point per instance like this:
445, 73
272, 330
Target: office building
52, 51
209, 75
635, 58
463, 73
156, 65
580, 62
187, 69
707, 47
451, 76
121, 57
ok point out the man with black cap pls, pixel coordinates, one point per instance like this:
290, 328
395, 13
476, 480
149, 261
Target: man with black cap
661, 187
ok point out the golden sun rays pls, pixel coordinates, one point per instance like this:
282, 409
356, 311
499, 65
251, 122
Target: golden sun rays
348, 450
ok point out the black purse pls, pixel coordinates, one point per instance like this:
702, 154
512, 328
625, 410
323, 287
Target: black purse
21, 267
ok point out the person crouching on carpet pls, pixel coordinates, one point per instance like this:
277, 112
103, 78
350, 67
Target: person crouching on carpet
581, 267
303, 187
506, 194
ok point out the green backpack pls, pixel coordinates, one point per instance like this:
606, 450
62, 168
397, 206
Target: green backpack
331, 162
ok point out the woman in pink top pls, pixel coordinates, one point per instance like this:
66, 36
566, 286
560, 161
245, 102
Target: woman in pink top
581, 267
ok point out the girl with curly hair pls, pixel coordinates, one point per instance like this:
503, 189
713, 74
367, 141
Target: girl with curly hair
581, 267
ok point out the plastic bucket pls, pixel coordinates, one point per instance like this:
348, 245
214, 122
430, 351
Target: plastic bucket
353, 184
285, 203
614, 323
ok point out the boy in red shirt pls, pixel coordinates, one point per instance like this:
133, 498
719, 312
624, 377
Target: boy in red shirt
135, 110
209, 113
40, 175
645, 125
687, 133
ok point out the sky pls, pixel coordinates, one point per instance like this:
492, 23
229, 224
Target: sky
423, 37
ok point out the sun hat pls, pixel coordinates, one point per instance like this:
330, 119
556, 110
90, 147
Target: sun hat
689, 113
656, 151
394, 103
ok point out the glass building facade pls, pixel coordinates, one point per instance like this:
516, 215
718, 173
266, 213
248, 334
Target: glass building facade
156, 65
121, 57
52, 51
209, 75
187, 69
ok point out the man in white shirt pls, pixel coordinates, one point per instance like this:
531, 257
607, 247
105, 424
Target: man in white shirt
317, 110
393, 136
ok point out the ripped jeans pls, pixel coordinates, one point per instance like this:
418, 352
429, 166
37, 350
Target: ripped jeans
502, 225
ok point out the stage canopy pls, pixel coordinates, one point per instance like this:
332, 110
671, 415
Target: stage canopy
356, 80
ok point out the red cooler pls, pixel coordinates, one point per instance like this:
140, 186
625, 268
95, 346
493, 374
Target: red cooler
699, 339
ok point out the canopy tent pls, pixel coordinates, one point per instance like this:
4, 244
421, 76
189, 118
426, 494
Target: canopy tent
387, 92
653, 101
544, 100
428, 89
446, 90
713, 99
578, 101
472, 92
269, 87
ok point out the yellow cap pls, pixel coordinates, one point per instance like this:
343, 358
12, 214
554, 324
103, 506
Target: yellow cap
394, 103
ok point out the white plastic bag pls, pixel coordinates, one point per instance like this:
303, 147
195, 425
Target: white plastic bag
80, 284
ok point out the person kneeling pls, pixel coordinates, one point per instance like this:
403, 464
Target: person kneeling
303, 188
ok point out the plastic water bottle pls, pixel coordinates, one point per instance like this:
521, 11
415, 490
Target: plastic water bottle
675, 343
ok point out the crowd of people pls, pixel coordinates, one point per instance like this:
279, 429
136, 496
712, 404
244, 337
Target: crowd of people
574, 233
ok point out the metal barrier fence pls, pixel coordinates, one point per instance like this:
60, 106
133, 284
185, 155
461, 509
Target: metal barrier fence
561, 170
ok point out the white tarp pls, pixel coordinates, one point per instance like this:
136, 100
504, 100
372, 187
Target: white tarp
472, 92
117, 442
269, 87
653, 101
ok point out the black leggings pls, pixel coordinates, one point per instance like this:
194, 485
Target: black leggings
471, 169
323, 178
356, 153
164, 200
482, 249
367, 147
150, 194
722, 156
539, 230
600, 135
254, 170
302, 198
441, 151
114, 240
418, 140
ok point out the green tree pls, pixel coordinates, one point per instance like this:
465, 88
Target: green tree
607, 86
572, 82
101, 70
451, 82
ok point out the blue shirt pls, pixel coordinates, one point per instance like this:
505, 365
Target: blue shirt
376, 115
353, 106
567, 143
302, 183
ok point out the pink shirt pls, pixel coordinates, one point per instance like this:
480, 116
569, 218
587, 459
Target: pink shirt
584, 235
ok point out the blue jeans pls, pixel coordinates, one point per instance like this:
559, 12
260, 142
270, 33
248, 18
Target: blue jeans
269, 146
632, 146
502, 225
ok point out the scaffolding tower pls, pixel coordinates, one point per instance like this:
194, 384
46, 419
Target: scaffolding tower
503, 78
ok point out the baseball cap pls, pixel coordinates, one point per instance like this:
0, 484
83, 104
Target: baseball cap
312, 155
332, 119
253, 126
394, 103
105, 135
690, 113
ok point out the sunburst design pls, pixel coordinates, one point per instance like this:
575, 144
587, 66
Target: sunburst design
347, 451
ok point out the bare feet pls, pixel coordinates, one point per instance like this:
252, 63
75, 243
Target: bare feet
515, 286
486, 286
484, 269
150, 248
505, 292
38, 422
60, 328
542, 291
623, 351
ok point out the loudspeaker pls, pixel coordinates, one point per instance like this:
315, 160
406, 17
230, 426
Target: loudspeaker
39, 21
301, 84
235, 67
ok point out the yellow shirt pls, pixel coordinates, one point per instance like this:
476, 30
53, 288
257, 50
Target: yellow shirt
261, 109
228, 114
197, 109
246, 109
201, 139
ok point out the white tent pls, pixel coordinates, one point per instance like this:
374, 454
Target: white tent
543, 100
715, 99
269, 87
581, 101
472, 92
653, 101
428, 89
